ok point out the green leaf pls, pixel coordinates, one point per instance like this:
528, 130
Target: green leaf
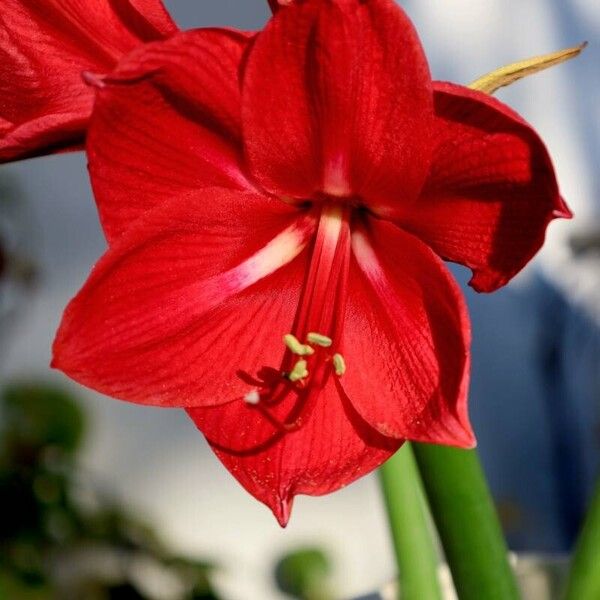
584, 578
36, 416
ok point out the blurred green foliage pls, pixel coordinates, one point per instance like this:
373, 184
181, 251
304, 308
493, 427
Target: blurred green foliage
59, 540
304, 574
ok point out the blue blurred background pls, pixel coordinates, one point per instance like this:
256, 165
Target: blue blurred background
535, 394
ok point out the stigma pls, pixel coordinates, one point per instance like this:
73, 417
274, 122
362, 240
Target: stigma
252, 397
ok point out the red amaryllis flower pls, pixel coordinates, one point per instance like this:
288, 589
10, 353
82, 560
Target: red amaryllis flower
277, 209
44, 47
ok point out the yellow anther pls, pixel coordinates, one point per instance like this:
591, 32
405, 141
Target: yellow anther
339, 364
299, 371
319, 339
295, 346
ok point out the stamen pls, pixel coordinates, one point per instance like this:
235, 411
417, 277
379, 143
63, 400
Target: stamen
252, 397
299, 371
295, 346
339, 364
319, 339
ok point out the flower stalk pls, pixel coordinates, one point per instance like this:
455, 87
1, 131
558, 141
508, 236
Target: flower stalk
466, 519
584, 578
411, 527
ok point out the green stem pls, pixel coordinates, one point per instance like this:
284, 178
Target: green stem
584, 578
411, 527
467, 523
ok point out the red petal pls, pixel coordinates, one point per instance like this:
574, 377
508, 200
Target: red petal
406, 340
331, 448
337, 98
147, 18
167, 121
491, 191
44, 47
187, 301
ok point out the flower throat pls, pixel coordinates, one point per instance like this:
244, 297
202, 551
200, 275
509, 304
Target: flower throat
313, 350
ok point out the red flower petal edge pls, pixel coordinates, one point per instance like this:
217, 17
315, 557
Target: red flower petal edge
188, 85
330, 447
44, 47
407, 328
178, 295
491, 190
337, 99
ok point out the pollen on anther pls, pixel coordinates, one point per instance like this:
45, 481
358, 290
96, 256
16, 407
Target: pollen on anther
252, 397
339, 364
318, 339
299, 371
296, 346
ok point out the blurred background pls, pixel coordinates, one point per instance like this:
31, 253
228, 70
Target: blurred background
141, 483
